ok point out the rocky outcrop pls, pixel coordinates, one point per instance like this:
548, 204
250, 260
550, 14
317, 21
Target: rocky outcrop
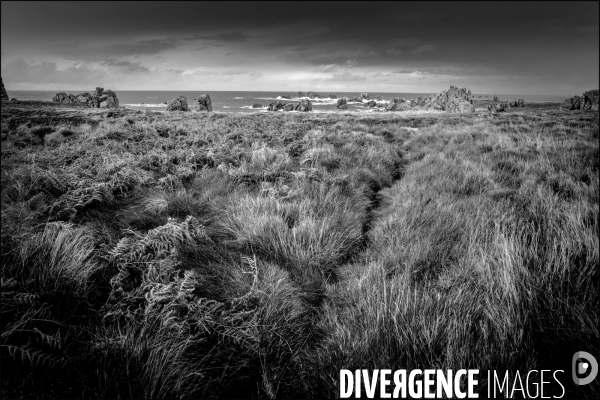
178, 104
498, 107
312, 95
574, 103
516, 103
364, 96
83, 97
453, 100
203, 103
285, 97
61, 97
304, 105
354, 99
108, 99
381, 98
332, 96
371, 103
3, 94
396, 105
275, 106
288, 107
257, 105
100, 98
300, 95
110, 102
341, 104
589, 100
496, 99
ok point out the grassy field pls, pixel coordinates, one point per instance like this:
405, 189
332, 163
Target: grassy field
223, 255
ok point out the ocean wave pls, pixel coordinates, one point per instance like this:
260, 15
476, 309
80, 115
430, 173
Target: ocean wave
146, 105
254, 108
239, 98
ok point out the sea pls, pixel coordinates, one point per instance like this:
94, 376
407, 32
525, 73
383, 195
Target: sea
242, 102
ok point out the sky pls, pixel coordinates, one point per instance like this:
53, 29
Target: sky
537, 48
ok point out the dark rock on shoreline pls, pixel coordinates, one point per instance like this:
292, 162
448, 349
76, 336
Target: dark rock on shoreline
453, 100
286, 97
110, 102
288, 107
341, 104
203, 103
364, 96
100, 99
590, 100
396, 105
332, 96
256, 105
517, 103
3, 94
304, 105
275, 106
312, 95
300, 94
178, 104
496, 99
371, 103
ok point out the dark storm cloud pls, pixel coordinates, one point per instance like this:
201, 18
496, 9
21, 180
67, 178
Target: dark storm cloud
48, 73
496, 40
87, 52
127, 66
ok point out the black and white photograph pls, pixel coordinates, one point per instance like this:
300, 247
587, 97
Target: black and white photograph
261, 200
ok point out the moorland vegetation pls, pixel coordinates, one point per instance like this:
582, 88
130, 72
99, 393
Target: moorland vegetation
221, 255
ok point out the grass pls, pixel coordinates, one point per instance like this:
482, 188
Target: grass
222, 255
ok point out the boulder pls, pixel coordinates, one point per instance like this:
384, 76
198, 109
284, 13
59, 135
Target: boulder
355, 99
288, 107
364, 95
203, 103
453, 100
332, 96
83, 98
178, 104
419, 101
341, 104
312, 95
99, 91
496, 99
371, 103
589, 100
110, 102
381, 98
574, 103
285, 97
109, 93
304, 105
396, 105
275, 106
256, 105
60, 97
3, 94
300, 94
94, 101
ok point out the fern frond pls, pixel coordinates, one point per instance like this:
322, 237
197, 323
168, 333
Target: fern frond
32, 357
